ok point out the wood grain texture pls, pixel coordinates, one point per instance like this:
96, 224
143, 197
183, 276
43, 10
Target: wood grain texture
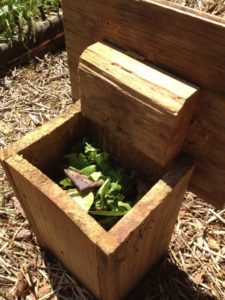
124, 153
100, 259
162, 34
60, 224
206, 143
140, 104
132, 246
186, 43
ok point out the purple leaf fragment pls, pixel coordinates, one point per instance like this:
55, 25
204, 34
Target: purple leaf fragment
82, 182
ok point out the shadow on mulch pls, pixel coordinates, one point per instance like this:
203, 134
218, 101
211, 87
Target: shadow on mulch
165, 281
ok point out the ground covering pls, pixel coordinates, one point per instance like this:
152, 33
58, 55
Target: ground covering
213, 7
193, 268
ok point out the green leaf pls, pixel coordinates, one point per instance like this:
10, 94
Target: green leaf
96, 176
94, 155
4, 10
86, 201
115, 187
107, 213
108, 202
88, 170
73, 192
90, 149
18, 17
104, 189
66, 182
124, 206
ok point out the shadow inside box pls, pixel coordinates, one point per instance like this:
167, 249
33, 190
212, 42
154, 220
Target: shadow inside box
164, 281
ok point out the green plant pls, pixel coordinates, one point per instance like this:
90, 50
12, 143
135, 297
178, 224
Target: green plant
104, 190
18, 17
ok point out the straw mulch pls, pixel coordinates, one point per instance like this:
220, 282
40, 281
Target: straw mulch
213, 7
193, 268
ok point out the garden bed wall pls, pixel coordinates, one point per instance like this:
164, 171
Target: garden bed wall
181, 41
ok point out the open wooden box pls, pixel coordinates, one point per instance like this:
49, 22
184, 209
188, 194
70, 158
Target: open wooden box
108, 263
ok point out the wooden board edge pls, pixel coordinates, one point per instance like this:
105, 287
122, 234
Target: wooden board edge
7, 169
55, 194
52, 214
123, 259
183, 167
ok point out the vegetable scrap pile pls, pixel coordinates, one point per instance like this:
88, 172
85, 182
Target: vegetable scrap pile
104, 190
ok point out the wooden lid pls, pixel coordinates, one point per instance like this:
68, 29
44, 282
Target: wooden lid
146, 107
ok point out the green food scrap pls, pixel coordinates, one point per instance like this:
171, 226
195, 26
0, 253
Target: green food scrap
109, 202
85, 201
66, 182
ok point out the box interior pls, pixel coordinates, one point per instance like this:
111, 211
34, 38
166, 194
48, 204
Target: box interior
102, 260
47, 153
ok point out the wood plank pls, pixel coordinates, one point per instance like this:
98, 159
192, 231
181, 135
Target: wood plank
168, 40
184, 42
144, 106
123, 152
73, 236
206, 143
125, 254
60, 224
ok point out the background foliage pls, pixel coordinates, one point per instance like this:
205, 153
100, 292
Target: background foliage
18, 17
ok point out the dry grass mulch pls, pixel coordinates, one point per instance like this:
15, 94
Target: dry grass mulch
193, 268
213, 7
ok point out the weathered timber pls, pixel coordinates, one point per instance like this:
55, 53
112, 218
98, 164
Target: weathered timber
184, 42
102, 260
143, 105
60, 224
133, 245
206, 143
